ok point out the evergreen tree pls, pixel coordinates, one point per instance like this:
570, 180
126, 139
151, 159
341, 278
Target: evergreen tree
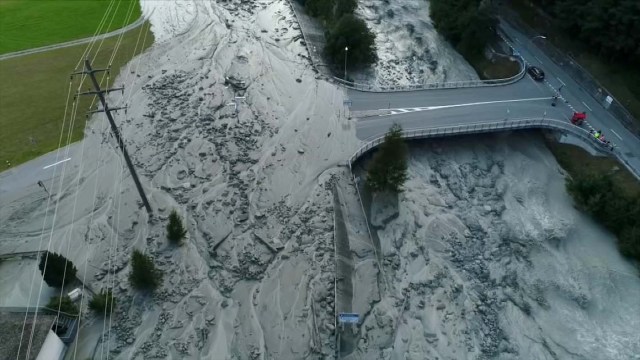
144, 275
59, 270
175, 230
103, 303
466, 24
388, 169
353, 33
64, 304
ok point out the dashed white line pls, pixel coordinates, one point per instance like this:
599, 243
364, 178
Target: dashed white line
583, 103
561, 82
537, 59
54, 164
616, 134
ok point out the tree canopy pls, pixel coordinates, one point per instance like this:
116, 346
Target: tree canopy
344, 29
466, 24
330, 10
388, 169
64, 304
58, 270
103, 303
175, 230
608, 204
610, 27
353, 33
144, 275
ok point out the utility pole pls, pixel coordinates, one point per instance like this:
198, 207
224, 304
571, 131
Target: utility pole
116, 133
346, 52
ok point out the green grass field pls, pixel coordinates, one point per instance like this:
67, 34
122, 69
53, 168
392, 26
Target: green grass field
34, 89
26, 24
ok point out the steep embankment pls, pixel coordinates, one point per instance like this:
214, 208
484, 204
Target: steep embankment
488, 258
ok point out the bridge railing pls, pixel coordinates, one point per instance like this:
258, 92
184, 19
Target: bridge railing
436, 85
502, 125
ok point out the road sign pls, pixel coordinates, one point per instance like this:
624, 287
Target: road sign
349, 318
607, 102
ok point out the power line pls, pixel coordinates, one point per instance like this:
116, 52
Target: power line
114, 129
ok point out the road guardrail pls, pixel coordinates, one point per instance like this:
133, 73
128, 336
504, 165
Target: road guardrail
502, 125
436, 85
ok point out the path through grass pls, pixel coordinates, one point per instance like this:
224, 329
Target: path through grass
26, 24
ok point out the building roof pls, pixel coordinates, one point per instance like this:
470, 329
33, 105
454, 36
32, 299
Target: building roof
11, 329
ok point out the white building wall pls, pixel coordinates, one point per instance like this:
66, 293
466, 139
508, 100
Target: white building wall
52, 348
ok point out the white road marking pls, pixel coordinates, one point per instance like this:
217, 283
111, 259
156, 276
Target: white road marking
561, 82
54, 164
540, 61
583, 103
616, 134
396, 111
517, 40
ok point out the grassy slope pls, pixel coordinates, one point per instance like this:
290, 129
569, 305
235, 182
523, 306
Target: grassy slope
26, 24
578, 162
34, 89
620, 79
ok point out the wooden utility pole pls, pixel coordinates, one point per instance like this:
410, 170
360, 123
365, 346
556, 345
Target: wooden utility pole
116, 133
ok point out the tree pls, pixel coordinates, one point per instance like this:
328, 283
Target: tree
466, 24
353, 33
64, 304
103, 303
608, 203
388, 170
144, 275
56, 269
175, 230
610, 27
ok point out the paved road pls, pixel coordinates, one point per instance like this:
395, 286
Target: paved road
523, 99
26, 176
133, 25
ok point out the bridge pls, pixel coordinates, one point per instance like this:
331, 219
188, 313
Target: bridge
471, 107
499, 105
480, 106
486, 127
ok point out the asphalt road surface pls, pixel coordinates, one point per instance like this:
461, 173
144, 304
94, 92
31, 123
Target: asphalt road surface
524, 99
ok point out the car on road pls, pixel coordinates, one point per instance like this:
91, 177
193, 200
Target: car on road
536, 73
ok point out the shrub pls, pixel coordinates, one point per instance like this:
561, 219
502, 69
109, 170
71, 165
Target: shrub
353, 33
103, 303
388, 169
58, 269
610, 206
175, 230
63, 303
144, 275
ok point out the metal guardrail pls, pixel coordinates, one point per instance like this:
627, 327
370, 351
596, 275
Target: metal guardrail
410, 87
503, 125
436, 85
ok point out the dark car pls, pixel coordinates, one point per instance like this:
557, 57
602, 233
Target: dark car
536, 73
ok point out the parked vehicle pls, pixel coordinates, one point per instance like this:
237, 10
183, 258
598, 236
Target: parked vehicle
578, 118
536, 73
